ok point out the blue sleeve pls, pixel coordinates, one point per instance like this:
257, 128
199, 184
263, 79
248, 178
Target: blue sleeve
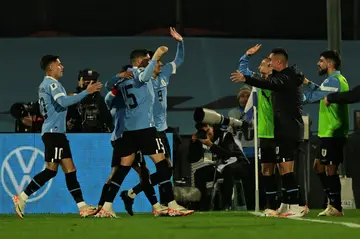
110, 84
244, 66
170, 68
330, 85
109, 99
59, 95
180, 55
144, 75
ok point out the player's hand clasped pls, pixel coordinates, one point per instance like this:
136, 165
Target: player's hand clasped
126, 75
94, 87
237, 77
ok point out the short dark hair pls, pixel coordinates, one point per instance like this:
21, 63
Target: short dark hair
88, 74
124, 68
138, 53
334, 56
46, 60
280, 51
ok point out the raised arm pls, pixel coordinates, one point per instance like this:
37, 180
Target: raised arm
243, 67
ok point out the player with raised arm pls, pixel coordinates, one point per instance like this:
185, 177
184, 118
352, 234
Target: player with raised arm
285, 83
265, 123
53, 107
160, 80
117, 108
140, 134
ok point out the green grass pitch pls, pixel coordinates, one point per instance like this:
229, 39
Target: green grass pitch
208, 225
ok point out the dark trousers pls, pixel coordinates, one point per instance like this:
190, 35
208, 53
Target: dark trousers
231, 172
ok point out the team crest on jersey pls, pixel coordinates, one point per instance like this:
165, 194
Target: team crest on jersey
163, 82
277, 150
323, 152
53, 86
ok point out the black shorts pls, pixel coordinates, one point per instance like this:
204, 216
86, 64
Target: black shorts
57, 147
267, 151
286, 150
331, 151
116, 157
145, 140
165, 142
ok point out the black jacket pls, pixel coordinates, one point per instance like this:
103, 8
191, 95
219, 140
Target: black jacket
95, 103
225, 149
286, 100
348, 97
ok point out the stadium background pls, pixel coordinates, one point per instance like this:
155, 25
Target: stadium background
100, 35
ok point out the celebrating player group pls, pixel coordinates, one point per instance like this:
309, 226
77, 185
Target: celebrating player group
137, 99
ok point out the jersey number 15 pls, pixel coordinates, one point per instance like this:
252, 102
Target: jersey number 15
131, 99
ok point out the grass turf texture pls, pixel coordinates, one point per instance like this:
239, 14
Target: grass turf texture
200, 225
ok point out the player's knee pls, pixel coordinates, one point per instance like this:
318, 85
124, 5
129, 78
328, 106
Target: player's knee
331, 170
50, 173
318, 167
44, 176
267, 171
286, 167
164, 170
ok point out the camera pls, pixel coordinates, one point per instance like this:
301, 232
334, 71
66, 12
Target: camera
28, 117
21, 110
211, 117
200, 133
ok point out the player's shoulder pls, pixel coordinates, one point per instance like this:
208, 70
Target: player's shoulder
331, 80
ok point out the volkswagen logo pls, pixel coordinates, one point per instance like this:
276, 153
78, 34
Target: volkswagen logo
17, 168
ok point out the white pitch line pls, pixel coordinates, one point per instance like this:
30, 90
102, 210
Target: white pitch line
347, 224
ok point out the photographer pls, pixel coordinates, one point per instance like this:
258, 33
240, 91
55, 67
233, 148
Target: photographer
90, 115
230, 162
28, 117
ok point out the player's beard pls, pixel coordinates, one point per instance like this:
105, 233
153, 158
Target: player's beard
322, 71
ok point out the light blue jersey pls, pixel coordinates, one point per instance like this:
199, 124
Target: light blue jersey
138, 94
160, 84
116, 105
317, 93
53, 103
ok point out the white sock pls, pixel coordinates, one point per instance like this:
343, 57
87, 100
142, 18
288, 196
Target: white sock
156, 206
131, 194
23, 196
107, 206
81, 204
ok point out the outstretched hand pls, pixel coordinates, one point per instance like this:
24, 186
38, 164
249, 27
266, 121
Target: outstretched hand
175, 34
253, 49
237, 77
